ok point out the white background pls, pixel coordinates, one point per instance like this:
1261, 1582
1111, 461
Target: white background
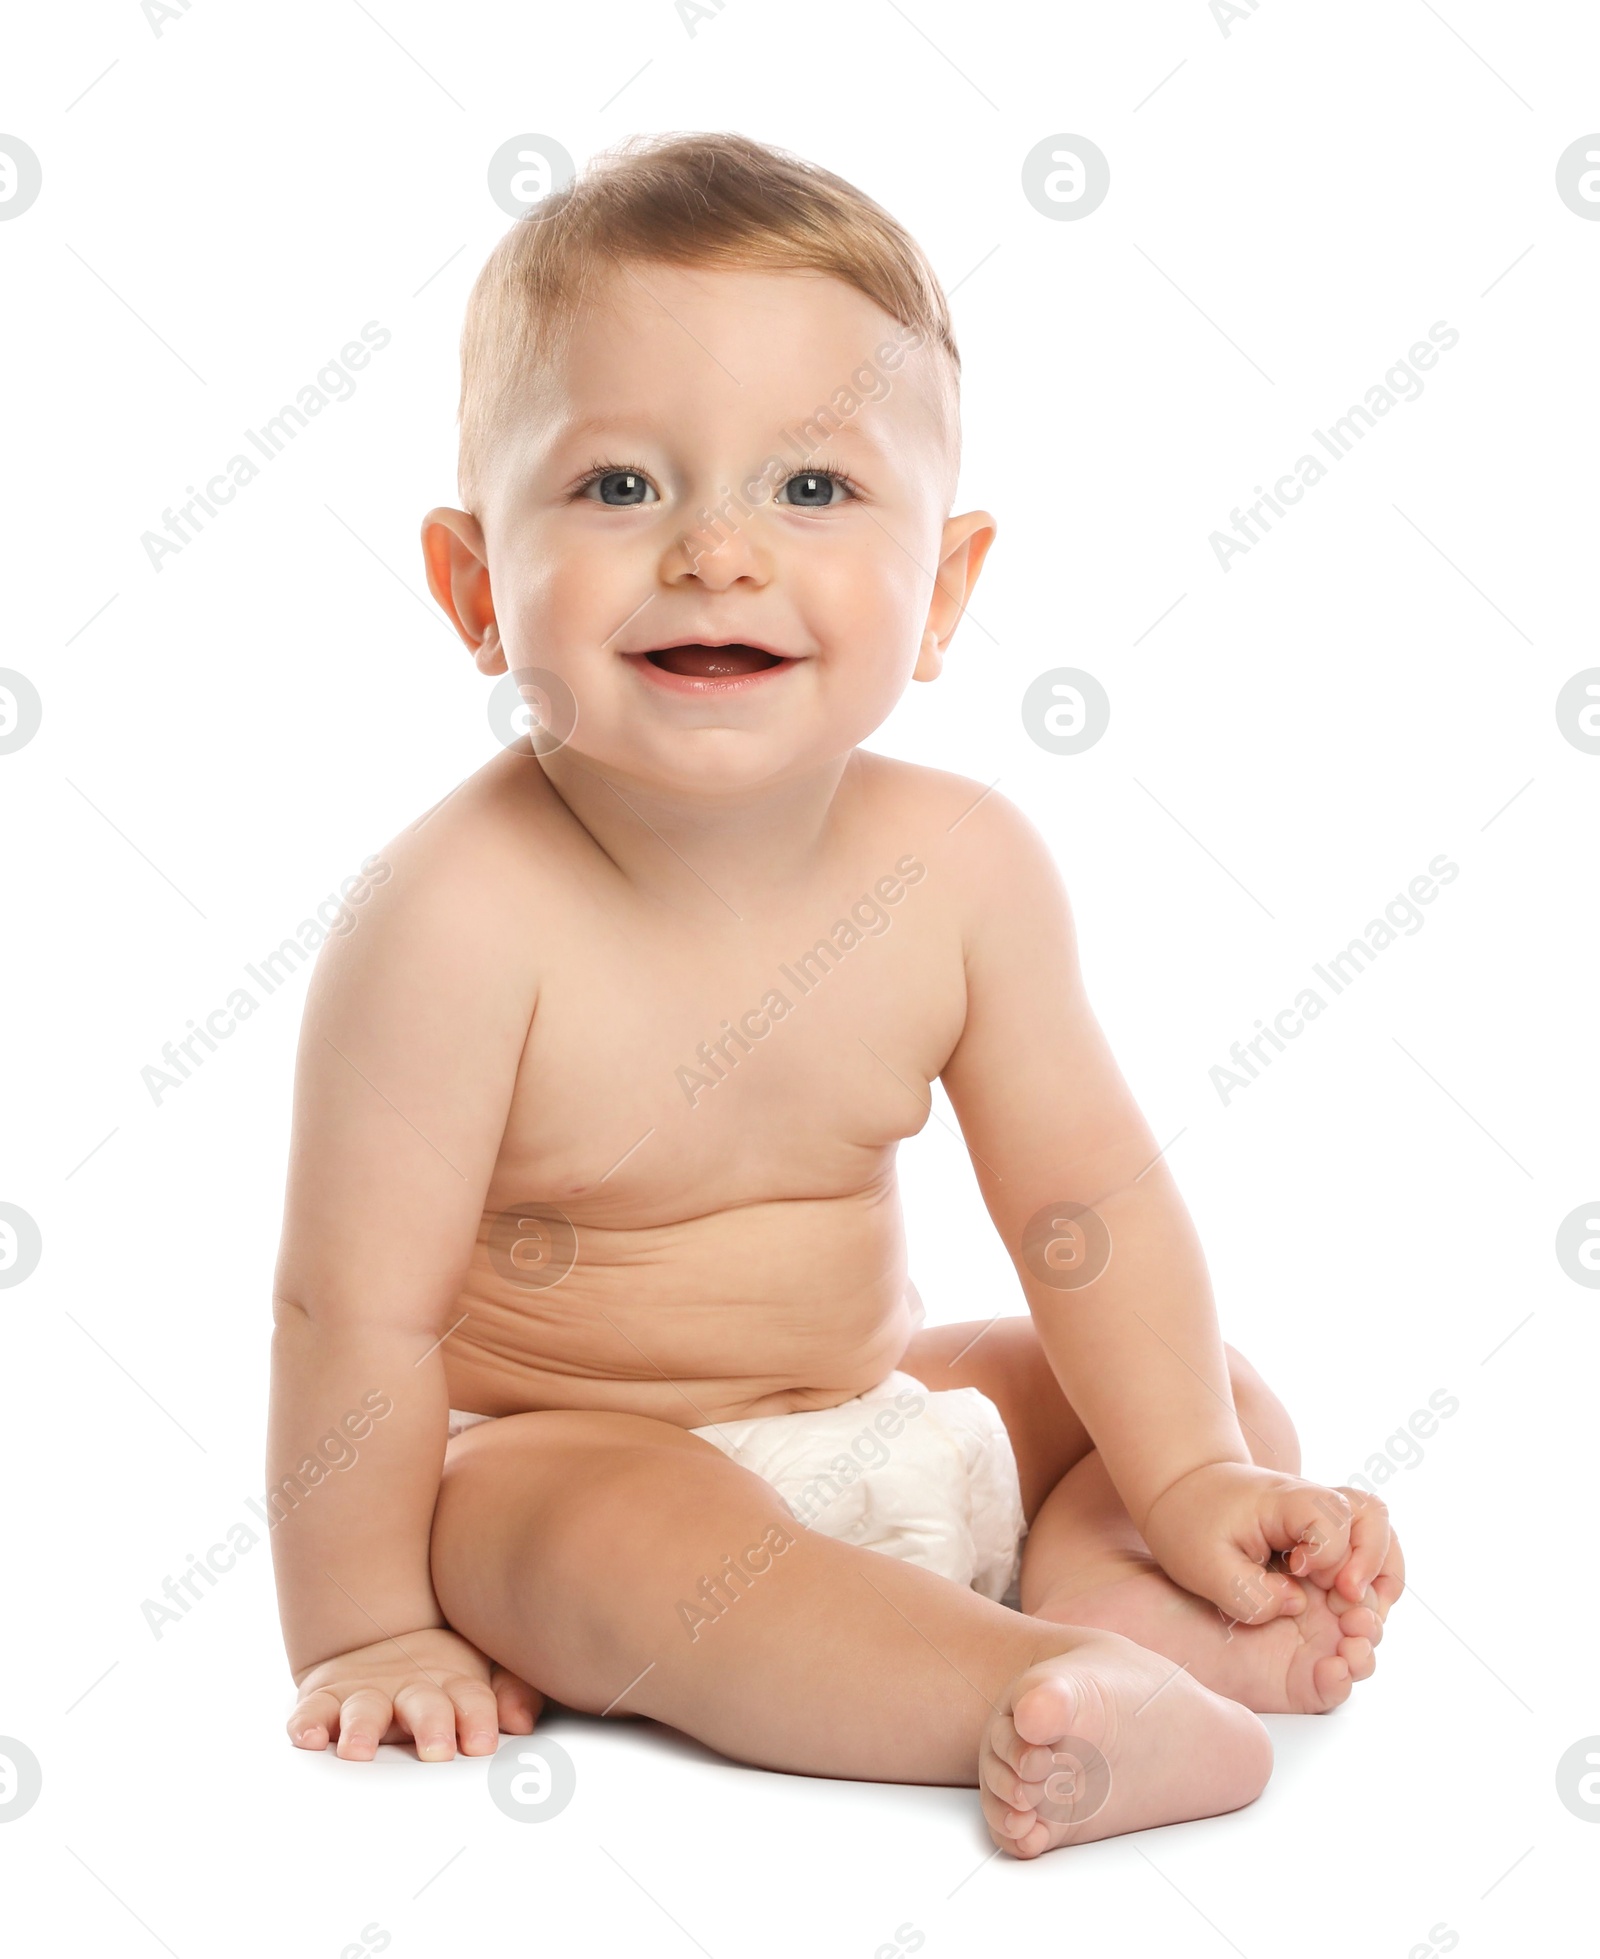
1374, 684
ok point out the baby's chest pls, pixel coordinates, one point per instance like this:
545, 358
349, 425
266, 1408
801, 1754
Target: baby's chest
783, 1057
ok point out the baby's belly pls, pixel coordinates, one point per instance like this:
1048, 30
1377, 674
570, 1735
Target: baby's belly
759, 1309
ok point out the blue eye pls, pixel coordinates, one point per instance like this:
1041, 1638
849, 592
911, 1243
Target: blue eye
816, 490
621, 489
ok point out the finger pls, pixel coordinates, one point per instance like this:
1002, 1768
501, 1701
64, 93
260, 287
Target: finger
1369, 1543
1391, 1581
1312, 1525
315, 1721
1247, 1594
428, 1715
364, 1718
519, 1704
477, 1721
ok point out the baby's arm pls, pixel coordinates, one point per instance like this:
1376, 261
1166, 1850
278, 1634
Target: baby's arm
1051, 1123
413, 1031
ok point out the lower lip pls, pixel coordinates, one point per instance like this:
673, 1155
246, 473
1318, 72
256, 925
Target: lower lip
706, 685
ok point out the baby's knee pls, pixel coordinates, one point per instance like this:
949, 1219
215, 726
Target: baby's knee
564, 1550
637, 1556
1266, 1423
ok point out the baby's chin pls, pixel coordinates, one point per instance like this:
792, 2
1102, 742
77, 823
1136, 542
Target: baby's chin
710, 765
721, 744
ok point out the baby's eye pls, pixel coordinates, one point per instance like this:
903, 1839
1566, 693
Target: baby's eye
620, 488
815, 490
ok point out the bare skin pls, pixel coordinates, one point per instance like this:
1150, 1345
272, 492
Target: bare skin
837, 1661
590, 1134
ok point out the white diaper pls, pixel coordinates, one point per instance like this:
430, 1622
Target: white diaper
927, 1476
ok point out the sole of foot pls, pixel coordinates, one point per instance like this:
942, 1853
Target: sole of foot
1110, 1738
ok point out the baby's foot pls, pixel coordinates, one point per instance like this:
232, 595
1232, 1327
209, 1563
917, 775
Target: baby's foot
1306, 1664
1109, 1738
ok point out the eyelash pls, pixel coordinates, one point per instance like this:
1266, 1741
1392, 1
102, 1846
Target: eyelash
824, 467
597, 470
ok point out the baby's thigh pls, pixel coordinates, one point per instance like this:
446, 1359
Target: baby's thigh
564, 1541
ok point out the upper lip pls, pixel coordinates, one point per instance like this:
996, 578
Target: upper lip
711, 639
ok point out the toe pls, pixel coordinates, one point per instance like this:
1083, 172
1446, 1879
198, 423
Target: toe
1361, 1622
1034, 1844
1357, 1654
1007, 1826
1043, 1714
1005, 1783
1330, 1679
1024, 1757
1032, 1838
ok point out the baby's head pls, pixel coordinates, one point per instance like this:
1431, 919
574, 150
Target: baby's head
709, 401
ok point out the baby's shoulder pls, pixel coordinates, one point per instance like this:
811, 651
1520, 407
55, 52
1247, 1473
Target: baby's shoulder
468, 874
991, 873
968, 824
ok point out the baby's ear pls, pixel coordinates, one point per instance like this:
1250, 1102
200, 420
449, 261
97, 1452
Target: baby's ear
962, 550
930, 660
456, 558
490, 655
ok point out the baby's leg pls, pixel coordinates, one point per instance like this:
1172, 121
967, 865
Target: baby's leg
1085, 1564
616, 1563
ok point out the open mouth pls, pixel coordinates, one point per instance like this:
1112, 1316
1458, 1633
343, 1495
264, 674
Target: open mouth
699, 662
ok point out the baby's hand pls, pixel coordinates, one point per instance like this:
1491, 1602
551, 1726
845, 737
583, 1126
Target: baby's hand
428, 1685
1215, 1530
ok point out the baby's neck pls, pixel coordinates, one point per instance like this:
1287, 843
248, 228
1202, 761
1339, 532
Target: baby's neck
718, 853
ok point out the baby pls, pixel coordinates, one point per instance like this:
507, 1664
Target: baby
592, 1186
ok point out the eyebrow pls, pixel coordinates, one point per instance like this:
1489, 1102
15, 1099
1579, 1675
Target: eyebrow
613, 425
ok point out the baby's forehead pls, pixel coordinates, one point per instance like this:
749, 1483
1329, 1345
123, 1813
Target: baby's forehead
757, 350
735, 303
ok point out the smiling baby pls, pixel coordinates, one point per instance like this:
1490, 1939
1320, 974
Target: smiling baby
596, 1114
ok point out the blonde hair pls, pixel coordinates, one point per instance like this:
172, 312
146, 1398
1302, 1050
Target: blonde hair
719, 200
